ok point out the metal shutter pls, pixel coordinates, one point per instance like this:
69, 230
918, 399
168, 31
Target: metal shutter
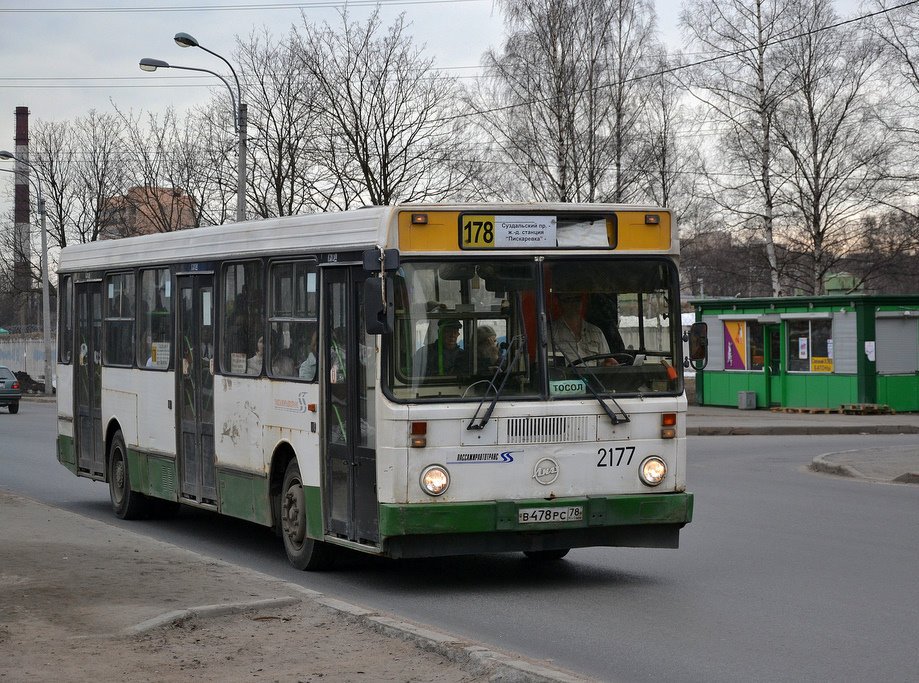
845, 343
897, 346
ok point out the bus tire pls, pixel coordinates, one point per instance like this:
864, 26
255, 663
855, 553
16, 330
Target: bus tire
126, 504
546, 555
302, 552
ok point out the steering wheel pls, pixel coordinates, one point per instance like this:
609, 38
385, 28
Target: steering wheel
621, 358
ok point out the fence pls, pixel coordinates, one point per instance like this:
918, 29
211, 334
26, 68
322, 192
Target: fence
25, 354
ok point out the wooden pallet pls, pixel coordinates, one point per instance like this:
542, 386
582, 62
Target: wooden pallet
867, 409
808, 411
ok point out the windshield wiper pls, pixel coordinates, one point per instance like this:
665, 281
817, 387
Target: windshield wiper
512, 355
600, 396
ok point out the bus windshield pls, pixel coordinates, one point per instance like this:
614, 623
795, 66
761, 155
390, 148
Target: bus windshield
560, 328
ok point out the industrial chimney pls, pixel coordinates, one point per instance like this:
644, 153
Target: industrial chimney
22, 275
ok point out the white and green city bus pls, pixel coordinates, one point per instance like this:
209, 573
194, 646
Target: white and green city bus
405, 380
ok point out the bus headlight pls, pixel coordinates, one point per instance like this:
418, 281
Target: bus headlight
435, 480
652, 471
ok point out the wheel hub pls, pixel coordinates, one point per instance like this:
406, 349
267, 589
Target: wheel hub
292, 514
118, 479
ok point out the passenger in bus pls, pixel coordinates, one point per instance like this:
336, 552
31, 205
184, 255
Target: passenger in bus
308, 367
254, 363
282, 365
573, 337
487, 352
443, 356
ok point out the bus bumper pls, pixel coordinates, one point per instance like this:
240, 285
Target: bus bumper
438, 529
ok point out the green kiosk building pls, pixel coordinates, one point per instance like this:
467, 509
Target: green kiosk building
811, 352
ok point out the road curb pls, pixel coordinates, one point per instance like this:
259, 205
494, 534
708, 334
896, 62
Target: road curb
209, 611
481, 660
822, 463
795, 430
498, 666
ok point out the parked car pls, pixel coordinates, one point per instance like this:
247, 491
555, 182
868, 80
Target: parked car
10, 392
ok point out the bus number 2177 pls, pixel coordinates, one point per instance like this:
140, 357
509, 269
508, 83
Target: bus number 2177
607, 455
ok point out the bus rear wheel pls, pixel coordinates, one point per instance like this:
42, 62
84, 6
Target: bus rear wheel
126, 504
302, 552
546, 555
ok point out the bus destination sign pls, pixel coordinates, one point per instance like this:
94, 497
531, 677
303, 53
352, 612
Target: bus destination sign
507, 232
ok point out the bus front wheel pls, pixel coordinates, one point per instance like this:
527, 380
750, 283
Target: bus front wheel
302, 551
126, 504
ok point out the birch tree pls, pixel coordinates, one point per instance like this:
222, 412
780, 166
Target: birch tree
742, 81
831, 137
562, 101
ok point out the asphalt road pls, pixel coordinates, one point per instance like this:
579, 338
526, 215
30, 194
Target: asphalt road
784, 574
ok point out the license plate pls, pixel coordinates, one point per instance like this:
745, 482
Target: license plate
539, 515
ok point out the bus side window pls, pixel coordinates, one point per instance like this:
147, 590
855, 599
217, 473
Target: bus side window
243, 323
154, 319
293, 320
119, 320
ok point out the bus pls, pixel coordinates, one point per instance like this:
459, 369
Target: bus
414, 380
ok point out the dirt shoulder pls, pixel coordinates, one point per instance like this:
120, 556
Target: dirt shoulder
81, 600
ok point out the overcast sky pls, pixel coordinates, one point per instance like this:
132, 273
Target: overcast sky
62, 58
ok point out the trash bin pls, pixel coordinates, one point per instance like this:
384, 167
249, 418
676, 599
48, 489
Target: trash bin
746, 400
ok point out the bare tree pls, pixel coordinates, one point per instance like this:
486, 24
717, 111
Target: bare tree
82, 164
173, 172
897, 32
385, 114
284, 127
213, 185
742, 81
632, 48
830, 136
671, 134
562, 101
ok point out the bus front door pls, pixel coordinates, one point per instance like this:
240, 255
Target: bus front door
89, 437
350, 427
195, 389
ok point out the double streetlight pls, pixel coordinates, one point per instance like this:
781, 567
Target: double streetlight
239, 110
45, 294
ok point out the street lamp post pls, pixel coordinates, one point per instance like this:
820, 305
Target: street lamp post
240, 113
45, 286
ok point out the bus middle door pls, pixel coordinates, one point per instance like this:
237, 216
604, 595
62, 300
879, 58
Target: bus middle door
350, 429
195, 388
88, 381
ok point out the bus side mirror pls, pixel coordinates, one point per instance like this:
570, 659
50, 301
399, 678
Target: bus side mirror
378, 307
378, 298
698, 344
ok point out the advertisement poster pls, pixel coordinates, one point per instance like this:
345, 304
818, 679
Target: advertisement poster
735, 345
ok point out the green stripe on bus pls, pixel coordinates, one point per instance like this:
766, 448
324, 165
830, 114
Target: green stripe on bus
153, 475
314, 525
66, 454
442, 518
244, 496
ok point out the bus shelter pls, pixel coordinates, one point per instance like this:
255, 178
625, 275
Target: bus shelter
811, 352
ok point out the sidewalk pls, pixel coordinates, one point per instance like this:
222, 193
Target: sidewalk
715, 421
81, 600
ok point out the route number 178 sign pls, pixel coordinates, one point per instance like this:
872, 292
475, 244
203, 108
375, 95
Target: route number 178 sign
507, 232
